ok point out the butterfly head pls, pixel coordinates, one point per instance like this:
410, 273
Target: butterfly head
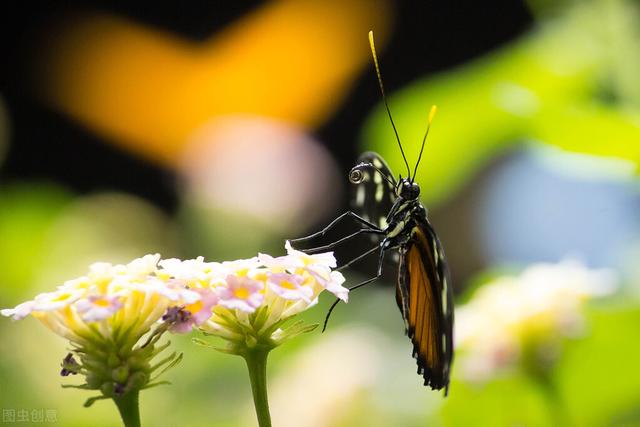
407, 189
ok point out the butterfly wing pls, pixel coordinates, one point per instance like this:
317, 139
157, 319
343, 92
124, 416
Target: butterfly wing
374, 195
425, 298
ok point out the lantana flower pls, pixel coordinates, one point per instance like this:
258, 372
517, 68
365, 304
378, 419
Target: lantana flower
258, 295
112, 318
521, 320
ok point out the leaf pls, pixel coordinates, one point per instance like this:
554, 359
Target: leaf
80, 387
171, 364
294, 330
231, 349
156, 384
90, 401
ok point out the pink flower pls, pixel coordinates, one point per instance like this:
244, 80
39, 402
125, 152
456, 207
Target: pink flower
241, 293
98, 307
201, 310
184, 318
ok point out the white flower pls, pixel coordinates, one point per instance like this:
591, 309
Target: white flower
511, 315
20, 311
289, 286
192, 272
332, 281
300, 259
99, 273
241, 267
57, 300
143, 267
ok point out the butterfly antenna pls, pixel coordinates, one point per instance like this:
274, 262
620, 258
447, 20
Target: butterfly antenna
384, 99
383, 175
432, 113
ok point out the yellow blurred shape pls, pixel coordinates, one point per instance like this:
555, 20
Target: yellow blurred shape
149, 90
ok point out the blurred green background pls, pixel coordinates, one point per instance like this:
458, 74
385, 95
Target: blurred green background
221, 130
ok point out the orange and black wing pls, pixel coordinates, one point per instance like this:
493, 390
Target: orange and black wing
424, 296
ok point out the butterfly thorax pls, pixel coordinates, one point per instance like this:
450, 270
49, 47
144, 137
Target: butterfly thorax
404, 215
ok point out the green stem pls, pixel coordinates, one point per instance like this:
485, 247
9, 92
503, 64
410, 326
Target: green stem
256, 359
128, 408
542, 376
555, 402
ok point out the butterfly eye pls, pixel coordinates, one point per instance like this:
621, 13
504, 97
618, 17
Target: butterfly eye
356, 176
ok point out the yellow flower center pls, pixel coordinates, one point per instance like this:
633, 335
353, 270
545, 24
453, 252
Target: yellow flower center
195, 307
101, 302
287, 285
242, 293
260, 277
164, 276
61, 297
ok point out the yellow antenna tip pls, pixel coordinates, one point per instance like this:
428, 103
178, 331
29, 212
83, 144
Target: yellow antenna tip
432, 113
371, 43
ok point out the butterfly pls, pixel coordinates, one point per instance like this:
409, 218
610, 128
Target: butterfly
391, 212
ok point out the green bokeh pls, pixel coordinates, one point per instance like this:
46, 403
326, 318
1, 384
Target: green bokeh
563, 84
26, 213
597, 381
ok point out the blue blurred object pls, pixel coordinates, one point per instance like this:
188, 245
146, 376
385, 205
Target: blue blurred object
543, 204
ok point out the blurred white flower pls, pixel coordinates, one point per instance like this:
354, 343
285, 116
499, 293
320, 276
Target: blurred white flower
512, 319
305, 396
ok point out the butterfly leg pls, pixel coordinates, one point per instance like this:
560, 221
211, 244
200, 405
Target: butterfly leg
358, 258
333, 224
359, 285
342, 240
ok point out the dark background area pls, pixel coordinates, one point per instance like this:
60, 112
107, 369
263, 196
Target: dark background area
429, 36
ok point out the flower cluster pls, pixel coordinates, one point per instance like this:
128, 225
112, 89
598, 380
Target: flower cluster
115, 301
106, 313
251, 298
524, 318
